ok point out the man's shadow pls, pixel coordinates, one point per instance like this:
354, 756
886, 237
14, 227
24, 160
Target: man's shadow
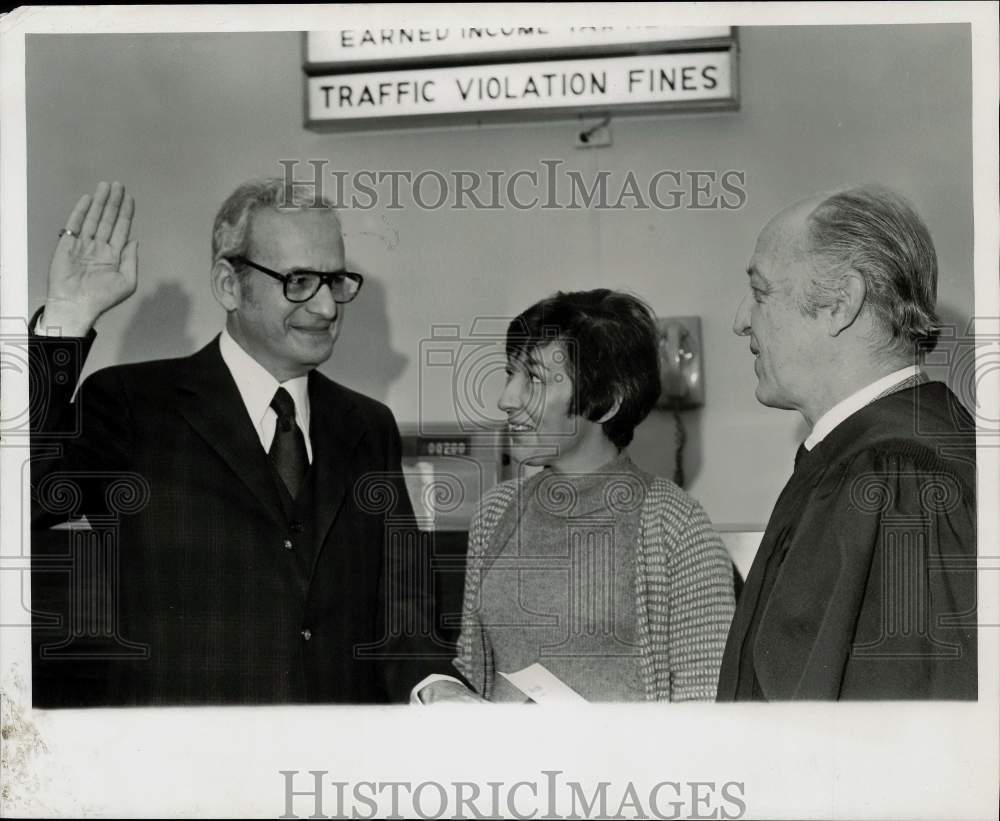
363, 358
159, 327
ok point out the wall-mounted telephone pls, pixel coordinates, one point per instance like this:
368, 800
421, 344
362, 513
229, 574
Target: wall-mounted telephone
681, 380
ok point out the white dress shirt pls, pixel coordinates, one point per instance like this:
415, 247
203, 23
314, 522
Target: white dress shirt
257, 387
855, 402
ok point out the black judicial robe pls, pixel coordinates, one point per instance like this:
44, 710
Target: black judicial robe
864, 586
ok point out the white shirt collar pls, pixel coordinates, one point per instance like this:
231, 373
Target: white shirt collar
855, 402
257, 387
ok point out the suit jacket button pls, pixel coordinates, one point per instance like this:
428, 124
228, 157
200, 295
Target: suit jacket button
288, 544
307, 634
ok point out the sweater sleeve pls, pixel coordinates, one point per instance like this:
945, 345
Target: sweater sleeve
473, 657
700, 608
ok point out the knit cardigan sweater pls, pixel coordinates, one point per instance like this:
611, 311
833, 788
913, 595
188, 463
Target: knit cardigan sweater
683, 589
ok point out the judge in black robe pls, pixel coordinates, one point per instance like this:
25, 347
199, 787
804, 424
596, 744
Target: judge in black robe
864, 585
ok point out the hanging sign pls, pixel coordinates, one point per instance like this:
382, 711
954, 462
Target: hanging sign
335, 50
629, 73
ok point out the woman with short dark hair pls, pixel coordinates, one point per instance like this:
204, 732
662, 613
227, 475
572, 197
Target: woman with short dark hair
610, 578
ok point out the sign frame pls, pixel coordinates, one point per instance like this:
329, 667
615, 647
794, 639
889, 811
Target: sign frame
729, 47
641, 45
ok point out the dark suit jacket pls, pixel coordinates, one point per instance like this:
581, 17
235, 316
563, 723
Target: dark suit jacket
218, 589
864, 586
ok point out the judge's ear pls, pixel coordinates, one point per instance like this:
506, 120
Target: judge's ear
611, 411
226, 285
850, 300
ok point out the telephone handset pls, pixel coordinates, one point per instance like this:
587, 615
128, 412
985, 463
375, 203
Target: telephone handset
680, 363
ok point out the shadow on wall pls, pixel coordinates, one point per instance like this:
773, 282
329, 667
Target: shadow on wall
363, 358
159, 326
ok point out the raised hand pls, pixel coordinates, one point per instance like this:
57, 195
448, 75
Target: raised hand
94, 265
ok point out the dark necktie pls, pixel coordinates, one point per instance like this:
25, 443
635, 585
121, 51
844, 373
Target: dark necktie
288, 448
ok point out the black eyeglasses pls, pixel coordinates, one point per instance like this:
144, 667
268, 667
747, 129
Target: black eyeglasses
301, 286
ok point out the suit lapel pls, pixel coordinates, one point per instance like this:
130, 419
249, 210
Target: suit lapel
211, 403
335, 430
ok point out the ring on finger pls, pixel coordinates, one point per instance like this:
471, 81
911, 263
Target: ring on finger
69, 232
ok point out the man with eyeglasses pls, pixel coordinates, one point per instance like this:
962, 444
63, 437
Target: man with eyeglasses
266, 561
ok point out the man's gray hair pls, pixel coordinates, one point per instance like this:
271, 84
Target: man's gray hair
231, 229
876, 232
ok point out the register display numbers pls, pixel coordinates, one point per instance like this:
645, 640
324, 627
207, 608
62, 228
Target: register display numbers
437, 446
444, 447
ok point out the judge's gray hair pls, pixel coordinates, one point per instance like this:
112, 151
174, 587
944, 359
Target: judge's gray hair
876, 232
231, 229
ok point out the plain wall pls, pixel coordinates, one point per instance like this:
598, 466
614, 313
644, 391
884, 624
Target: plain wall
182, 119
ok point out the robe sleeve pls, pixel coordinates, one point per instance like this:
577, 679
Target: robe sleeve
876, 596
913, 511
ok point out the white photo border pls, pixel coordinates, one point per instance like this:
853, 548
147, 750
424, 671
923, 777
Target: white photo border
796, 760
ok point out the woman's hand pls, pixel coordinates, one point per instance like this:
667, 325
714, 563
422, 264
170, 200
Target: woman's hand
94, 266
439, 692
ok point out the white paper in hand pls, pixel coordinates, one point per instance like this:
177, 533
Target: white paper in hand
542, 686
